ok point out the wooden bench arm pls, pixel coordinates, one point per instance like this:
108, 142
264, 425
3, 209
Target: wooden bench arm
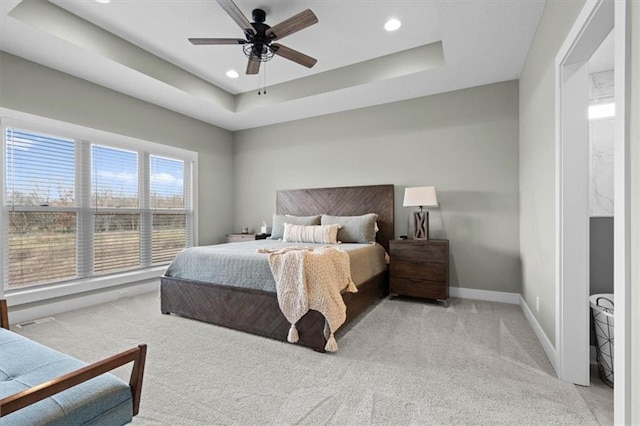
4, 314
45, 390
37, 393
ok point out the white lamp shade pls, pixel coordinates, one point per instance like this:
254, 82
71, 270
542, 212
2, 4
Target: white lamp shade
423, 196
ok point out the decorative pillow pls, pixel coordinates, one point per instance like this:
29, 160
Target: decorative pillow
321, 234
355, 229
277, 226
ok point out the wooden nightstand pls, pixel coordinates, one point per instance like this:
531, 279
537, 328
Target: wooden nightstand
236, 238
420, 268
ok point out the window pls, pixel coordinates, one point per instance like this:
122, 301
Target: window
170, 218
40, 198
75, 209
115, 209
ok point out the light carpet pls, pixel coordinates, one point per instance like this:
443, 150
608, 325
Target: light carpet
404, 362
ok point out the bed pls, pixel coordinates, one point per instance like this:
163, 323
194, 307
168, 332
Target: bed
256, 310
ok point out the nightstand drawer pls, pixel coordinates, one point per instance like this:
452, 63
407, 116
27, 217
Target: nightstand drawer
418, 270
419, 288
418, 252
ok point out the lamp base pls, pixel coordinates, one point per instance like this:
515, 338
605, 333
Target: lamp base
420, 225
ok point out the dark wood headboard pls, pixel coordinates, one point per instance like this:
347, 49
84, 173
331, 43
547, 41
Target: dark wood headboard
343, 201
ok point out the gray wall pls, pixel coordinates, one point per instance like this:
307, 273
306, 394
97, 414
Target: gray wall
32, 88
464, 142
600, 259
537, 162
601, 255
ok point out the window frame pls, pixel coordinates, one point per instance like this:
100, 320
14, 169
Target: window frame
85, 136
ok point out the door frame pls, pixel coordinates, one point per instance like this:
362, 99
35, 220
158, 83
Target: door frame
596, 20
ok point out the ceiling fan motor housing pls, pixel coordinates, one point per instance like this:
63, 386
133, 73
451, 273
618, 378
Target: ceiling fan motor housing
259, 15
260, 40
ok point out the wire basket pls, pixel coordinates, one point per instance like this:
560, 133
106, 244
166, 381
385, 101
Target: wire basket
602, 311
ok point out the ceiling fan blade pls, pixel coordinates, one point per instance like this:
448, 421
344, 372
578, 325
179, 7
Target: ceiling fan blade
217, 41
293, 55
236, 14
296, 23
253, 67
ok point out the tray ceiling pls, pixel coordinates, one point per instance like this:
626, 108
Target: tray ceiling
140, 48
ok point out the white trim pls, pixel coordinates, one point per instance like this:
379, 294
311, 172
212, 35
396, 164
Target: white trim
572, 225
540, 334
514, 299
48, 292
622, 216
633, 314
21, 314
488, 295
572, 201
616, 15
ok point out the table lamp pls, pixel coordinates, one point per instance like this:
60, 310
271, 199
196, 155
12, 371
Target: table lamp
422, 196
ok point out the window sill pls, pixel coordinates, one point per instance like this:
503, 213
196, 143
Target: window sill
38, 294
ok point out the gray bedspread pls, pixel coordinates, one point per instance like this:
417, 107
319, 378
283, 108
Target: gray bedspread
240, 265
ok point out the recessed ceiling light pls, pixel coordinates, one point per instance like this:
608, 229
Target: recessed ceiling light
392, 24
233, 74
103, 1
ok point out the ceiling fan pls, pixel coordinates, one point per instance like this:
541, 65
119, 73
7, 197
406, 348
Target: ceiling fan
258, 44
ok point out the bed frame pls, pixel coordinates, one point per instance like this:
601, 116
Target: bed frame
257, 311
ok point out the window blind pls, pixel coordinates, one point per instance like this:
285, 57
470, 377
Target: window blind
41, 214
75, 209
115, 202
169, 236
170, 205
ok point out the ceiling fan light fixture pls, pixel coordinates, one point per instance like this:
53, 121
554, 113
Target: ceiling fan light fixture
257, 52
392, 24
233, 74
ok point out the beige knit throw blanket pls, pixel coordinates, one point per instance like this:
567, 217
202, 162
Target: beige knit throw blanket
312, 278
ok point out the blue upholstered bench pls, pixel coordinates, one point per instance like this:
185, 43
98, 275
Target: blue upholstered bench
41, 386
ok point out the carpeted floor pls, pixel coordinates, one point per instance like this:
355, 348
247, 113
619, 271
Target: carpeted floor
404, 362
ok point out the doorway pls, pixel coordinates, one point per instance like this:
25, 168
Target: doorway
595, 22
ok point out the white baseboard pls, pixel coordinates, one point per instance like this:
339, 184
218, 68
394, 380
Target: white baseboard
33, 311
549, 349
514, 299
488, 295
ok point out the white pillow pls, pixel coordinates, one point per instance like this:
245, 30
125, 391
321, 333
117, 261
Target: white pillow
277, 226
321, 234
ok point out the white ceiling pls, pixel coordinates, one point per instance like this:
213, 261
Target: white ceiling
140, 47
